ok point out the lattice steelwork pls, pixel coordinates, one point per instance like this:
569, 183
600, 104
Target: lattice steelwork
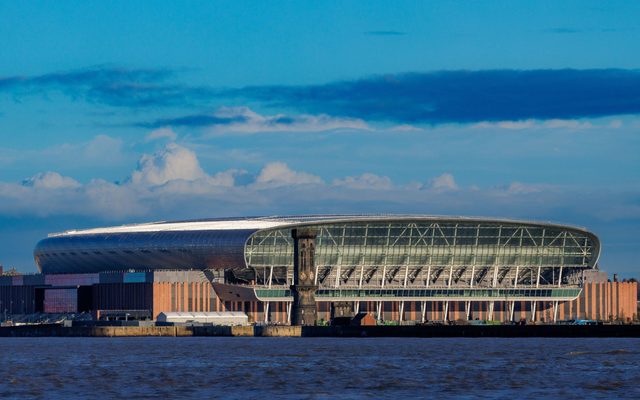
429, 253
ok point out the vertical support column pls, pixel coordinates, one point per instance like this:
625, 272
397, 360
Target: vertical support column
445, 316
338, 271
473, 275
423, 310
533, 310
384, 278
535, 303
384, 275
560, 276
512, 311
357, 303
406, 278
266, 312
315, 277
270, 276
515, 285
494, 283
303, 310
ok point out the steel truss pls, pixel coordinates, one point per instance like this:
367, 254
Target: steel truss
416, 255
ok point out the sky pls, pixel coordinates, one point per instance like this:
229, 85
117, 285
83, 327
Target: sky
121, 112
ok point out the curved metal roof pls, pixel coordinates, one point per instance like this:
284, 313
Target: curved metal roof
266, 222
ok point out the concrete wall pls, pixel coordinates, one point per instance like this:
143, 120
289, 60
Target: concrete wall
168, 292
16, 300
601, 301
122, 296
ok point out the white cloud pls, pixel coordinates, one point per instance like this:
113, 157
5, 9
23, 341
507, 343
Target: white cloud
567, 123
171, 163
279, 190
279, 174
50, 194
248, 121
516, 125
571, 124
51, 180
443, 182
161, 133
365, 181
171, 184
226, 178
405, 128
102, 199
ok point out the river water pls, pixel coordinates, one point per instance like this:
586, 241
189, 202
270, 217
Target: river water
319, 368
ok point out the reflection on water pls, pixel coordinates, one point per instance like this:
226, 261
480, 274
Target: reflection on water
318, 368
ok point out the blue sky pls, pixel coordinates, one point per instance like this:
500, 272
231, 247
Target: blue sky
116, 112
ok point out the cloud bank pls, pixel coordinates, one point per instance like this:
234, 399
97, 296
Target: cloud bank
172, 163
171, 184
406, 98
50, 180
113, 86
277, 174
464, 96
445, 181
245, 120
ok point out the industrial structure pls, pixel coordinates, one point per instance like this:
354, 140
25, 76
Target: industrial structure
306, 268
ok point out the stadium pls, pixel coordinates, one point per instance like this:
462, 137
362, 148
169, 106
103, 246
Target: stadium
401, 268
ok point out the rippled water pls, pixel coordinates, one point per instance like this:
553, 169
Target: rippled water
318, 368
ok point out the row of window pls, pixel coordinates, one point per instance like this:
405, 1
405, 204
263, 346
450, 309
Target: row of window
278, 259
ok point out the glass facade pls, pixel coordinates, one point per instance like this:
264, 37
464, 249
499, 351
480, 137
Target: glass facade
425, 253
423, 243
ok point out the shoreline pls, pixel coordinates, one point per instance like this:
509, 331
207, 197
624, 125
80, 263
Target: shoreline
504, 331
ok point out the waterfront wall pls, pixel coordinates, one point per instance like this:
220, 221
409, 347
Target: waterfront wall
191, 291
328, 331
598, 301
